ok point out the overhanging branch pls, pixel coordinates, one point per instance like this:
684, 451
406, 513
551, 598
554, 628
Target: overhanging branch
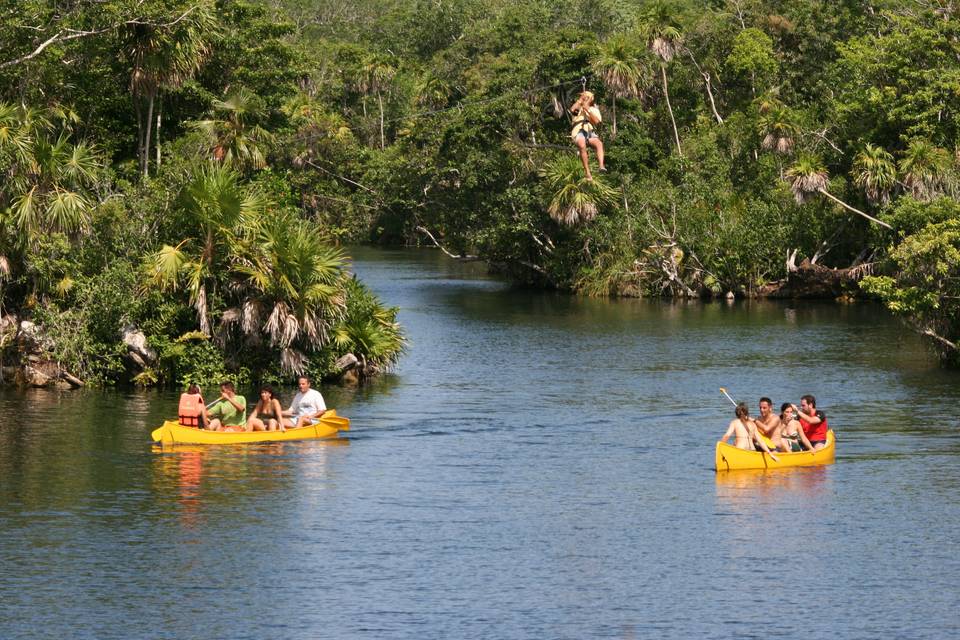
63, 35
427, 233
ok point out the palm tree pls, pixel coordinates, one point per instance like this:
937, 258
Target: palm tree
231, 139
875, 172
431, 92
217, 210
777, 125
164, 56
48, 180
48, 186
319, 130
575, 199
290, 289
368, 330
924, 169
375, 78
808, 175
618, 66
664, 39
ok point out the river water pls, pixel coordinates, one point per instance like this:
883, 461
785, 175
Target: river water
538, 466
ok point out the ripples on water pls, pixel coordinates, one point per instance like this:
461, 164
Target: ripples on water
537, 467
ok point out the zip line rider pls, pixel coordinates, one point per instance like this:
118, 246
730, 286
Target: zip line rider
586, 116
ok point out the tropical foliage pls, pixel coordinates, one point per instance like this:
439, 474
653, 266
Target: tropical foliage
741, 138
926, 287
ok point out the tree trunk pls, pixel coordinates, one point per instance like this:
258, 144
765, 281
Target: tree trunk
138, 108
145, 165
159, 112
613, 133
666, 94
380, 102
843, 204
713, 105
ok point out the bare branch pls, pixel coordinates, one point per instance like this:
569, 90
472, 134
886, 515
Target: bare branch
36, 52
64, 35
933, 334
823, 136
426, 232
843, 204
345, 179
541, 244
706, 79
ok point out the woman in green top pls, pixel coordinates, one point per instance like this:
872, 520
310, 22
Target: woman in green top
229, 413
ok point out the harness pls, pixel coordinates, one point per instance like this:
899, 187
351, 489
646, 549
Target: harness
582, 124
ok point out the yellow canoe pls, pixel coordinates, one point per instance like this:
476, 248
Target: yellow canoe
729, 458
171, 432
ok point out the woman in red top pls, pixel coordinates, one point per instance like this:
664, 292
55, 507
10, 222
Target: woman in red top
814, 422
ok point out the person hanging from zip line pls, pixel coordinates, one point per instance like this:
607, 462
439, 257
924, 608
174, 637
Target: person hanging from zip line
586, 117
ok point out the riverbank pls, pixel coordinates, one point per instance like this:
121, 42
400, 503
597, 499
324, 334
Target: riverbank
27, 349
362, 342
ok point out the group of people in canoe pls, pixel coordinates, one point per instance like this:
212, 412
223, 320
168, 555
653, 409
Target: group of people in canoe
802, 428
229, 412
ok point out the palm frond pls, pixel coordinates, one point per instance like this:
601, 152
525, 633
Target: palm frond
163, 268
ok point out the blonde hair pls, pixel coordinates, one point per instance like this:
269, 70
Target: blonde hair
588, 95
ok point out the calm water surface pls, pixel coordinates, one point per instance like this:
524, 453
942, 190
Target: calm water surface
538, 466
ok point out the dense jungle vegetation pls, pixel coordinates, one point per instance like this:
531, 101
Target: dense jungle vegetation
190, 166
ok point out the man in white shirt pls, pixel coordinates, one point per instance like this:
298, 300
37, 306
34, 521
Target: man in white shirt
307, 405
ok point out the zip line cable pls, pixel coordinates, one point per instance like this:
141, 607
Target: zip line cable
582, 81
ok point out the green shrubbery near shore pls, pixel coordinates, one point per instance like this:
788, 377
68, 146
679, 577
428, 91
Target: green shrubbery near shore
174, 157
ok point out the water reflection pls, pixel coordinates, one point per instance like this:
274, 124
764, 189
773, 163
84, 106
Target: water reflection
200, 476
744, 489
184, 468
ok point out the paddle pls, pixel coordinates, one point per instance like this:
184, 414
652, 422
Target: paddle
724, 392
331, 418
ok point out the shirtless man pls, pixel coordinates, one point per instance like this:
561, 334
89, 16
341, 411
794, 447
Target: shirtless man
768, 423
744, 430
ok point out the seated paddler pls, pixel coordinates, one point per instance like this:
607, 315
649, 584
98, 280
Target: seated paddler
229, 413
744, 430
192, 412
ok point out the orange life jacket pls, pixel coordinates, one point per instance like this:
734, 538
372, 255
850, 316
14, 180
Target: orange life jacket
191, 408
